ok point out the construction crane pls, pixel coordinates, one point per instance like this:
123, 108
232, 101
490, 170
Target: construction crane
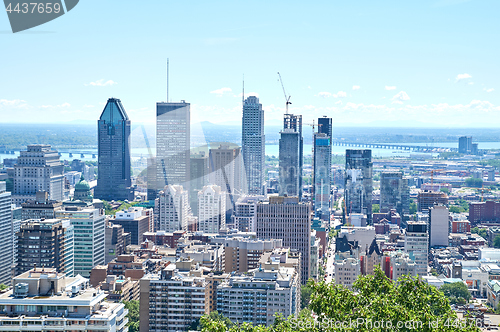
287, 98
432, 174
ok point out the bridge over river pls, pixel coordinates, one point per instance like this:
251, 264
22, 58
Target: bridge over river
413, 148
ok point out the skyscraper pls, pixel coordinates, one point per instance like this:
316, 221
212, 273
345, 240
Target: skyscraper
6, 238
394, 193
290, 156
253, 145
465, 144
290, 220
113, 181
322, 168
173, 208
38, 169
89, 227
199, 177
358, 182
211, 209
172, 144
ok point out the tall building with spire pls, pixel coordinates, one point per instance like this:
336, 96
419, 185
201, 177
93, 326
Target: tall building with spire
253, 144
113, 181
172, 144
291, 156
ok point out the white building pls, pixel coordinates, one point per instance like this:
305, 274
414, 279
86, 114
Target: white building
401, 264
38, 169
89, 228
439, 226
245, 213
489, 254
6, 235
347, 271
173, 207
258, 296
314, 256
364, 235
211, 209
417, 245
44, 300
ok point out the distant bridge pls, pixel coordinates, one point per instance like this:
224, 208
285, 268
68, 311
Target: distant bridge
412, 148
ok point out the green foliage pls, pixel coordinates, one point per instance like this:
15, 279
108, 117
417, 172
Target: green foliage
375, 208
445, 190
409, 305
473, 182
481, 231
124, 206
376, 177
413, 208
305, 296
133, 315
456, 292
496, 242
3, 286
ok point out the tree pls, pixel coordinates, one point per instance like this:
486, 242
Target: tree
455, 291
133, 315
455, 209
413, 208
445, 190
482, 232
408, 305
474, 182
305, 296
3, 286
496, 242
375, 208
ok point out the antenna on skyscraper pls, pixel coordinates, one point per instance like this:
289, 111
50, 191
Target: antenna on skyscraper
243, 94
167, 80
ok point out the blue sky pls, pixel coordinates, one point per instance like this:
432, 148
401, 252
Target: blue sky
367, 63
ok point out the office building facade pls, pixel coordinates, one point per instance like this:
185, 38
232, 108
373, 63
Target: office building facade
211, 209
394, 193
465, 144
173, 208
172, 144
46, 243
417, 246
38, 169
291, 150
253, 145
322, 165
113, 180
6, 236
136, 221
290, 220
358, 182
89, 228
439, 226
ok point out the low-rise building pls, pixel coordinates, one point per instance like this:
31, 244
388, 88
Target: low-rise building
44, 300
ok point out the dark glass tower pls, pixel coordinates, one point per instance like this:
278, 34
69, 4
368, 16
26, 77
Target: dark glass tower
322, 171
253, 145
358, 182
113, 182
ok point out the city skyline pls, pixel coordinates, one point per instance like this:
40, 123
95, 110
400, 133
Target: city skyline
415, 64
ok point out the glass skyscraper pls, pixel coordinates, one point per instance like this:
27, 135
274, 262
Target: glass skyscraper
113, 181
290, 156
358, 182
172, 144
253, 145
322, 168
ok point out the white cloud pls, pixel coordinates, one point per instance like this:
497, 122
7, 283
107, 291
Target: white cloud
12, 103
102, 83
471, 83
64, 105
324, 94
400, 97
390, 87
221, 91
340, 94
356, 87
489, 90
338, 102
461, 77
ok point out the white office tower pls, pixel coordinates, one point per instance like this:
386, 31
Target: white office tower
38, 169
5, 235
439, 226
88, 227
253, 145
417, 245
211, 209
173, 206
172, 144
